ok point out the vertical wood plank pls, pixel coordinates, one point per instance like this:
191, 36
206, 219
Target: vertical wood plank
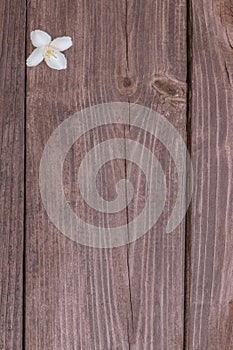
129, 297
157, 67
211, 224
12, 96
77, 297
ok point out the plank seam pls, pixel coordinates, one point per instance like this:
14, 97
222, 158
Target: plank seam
128, 246
25, 163
187, 263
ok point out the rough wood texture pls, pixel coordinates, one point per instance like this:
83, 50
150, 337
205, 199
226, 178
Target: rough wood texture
157, 64
123, 298
12, 92
211, 224
130, 297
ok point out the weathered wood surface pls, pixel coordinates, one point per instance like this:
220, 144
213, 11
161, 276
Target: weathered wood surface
129, 297
12, 90
210, 225
145, 295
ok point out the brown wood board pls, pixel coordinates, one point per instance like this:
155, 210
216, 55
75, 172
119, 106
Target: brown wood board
161, 291
12, 101
210, 223
80, 297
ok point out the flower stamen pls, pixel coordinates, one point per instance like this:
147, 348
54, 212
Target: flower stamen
50, 53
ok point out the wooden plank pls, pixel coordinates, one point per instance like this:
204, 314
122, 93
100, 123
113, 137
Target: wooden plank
211, 225
12, 96
157, 67
79, 297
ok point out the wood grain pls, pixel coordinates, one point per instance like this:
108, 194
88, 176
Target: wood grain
77, 297
12, 96
211, 224
157, 66
129, 297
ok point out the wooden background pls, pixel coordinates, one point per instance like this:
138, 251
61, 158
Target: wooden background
162, 292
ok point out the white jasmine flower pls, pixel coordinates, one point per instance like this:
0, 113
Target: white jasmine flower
48, 50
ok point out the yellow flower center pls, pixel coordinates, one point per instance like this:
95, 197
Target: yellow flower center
49, 53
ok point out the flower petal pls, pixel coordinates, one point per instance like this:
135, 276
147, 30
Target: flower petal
36, 57
40, 38
62, 44
56, 61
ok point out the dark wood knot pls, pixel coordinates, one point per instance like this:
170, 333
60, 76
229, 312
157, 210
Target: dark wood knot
170, 89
